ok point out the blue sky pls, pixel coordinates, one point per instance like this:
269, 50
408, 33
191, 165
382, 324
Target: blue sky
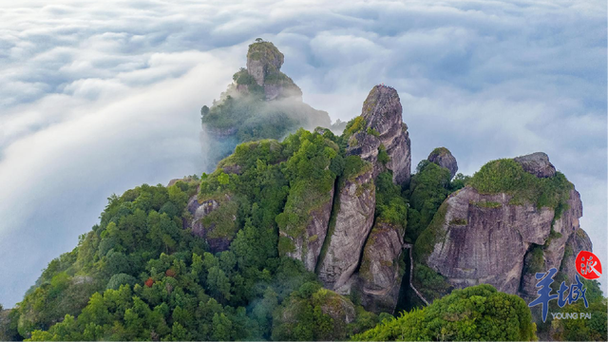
99, 97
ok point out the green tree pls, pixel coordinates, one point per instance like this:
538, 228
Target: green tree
474, 313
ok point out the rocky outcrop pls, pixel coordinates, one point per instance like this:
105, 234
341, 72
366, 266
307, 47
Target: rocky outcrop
217, 230
383, 132
444, 158
537, 164
577, 242
264, 63
553, 249
483, 239
263, 58
381, 272
353, 222
489, 238
308, 245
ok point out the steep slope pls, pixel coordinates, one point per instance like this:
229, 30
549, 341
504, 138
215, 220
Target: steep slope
488, 231
379, 135
352, 224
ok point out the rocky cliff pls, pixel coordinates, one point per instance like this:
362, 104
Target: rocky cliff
502, 234
307, 246
382, 268
264, 63
381, 130
349, 230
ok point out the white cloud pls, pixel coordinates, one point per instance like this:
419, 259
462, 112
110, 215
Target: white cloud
98, 97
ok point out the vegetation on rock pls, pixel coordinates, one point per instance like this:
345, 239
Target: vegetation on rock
508, 176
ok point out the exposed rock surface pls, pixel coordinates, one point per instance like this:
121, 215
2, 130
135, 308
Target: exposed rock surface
537, 164
263, 58
384, 126
444, 158
578, 241
485, 238
353, 222
554, 246
487, 244
380, 272
308, 246
199, 211
264, 63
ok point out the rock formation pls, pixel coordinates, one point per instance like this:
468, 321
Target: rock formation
444, 158
353, 222
261, 103
476, 236
577, 242
204, 225
308, 245
537, 164
264, 63
384, 130
381, 271
495, 239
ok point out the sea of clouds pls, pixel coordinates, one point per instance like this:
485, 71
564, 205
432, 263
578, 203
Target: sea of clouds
99, 97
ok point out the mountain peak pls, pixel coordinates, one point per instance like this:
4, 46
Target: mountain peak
263, 74
263, 59
379, 128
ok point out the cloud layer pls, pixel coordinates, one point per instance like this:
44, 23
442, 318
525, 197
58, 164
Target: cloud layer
97, 98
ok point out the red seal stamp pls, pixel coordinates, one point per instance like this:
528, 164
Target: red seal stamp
588, 265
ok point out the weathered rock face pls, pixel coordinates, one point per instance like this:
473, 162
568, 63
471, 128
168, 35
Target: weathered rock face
308, 246
485, 238
444, 158
206, 231
264, 63
353, 223
263, 58
578, 241
487, 244
380, 272
382, 113
537, 164
554, 247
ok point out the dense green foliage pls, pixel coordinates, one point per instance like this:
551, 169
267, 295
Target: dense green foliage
391, 206
311, 172
140, 275
428, 189
315, 313
594, 328
508, 176
474, 313
355, 125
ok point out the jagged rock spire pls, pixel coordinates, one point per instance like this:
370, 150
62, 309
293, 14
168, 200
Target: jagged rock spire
384, 130
264, 63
